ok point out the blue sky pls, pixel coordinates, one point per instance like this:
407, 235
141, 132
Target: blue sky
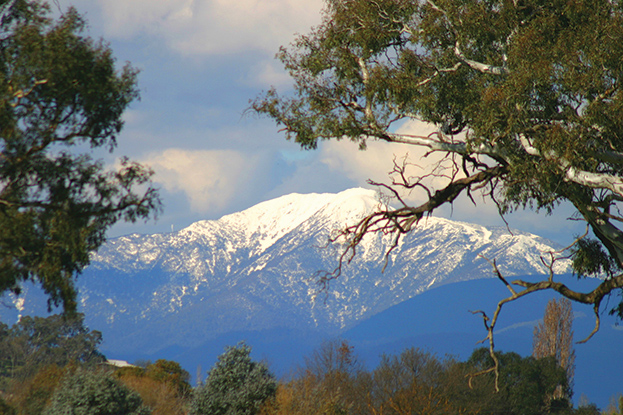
201, 61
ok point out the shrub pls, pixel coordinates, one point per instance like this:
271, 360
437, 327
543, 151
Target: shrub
236, 385
94, 393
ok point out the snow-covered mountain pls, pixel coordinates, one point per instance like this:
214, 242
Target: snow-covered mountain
254, 270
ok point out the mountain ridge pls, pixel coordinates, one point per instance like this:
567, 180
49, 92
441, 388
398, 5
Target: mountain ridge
254, 270
250, 276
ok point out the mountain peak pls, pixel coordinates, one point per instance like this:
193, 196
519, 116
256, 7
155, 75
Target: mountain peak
263, 224
255, 269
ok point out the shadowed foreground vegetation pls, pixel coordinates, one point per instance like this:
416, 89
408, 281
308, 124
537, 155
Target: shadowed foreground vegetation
48, 365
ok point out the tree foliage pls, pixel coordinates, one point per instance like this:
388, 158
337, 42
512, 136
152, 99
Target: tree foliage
163, 386
168, 371
413, 382
60, 93
5, 408
326, 384
554, 337
615, 407
527, 384
236, 385
525, 95
36, 342
94, 393
32, 395
419, 382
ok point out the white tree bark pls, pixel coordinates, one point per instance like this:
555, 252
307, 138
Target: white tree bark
581, 177
433, 144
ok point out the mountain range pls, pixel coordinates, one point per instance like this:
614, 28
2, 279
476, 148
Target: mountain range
253, 274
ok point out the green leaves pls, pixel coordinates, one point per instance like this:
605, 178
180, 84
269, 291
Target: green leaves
36, 342
94, 393
80, 95
236, 385
527, 384
503, 68
59, 89
590, 260
525, 96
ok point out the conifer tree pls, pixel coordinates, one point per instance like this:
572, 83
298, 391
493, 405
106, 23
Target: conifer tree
94, 393
236, 385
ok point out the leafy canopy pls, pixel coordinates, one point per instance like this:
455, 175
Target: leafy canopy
525, 94
528, 384
526, 98
60, 93
236, 385
94, 393
36, 342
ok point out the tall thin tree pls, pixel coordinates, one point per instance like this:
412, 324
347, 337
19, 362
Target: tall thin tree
554, 337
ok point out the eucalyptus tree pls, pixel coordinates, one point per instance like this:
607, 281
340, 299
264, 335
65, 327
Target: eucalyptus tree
31, 344
61, 95
525, 96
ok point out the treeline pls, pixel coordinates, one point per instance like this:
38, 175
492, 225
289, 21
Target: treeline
48, 365
418, 382
52, 366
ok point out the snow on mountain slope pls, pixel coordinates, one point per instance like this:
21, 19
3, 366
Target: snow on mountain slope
255, 270
251, 231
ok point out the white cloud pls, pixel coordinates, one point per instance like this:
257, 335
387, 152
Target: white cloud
268, 73
377, 161
210, 179
344, 159
373, 163
197, 27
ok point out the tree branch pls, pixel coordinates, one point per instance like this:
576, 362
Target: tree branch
398, 222
496, 363
575, 175
446, 146
480, 67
